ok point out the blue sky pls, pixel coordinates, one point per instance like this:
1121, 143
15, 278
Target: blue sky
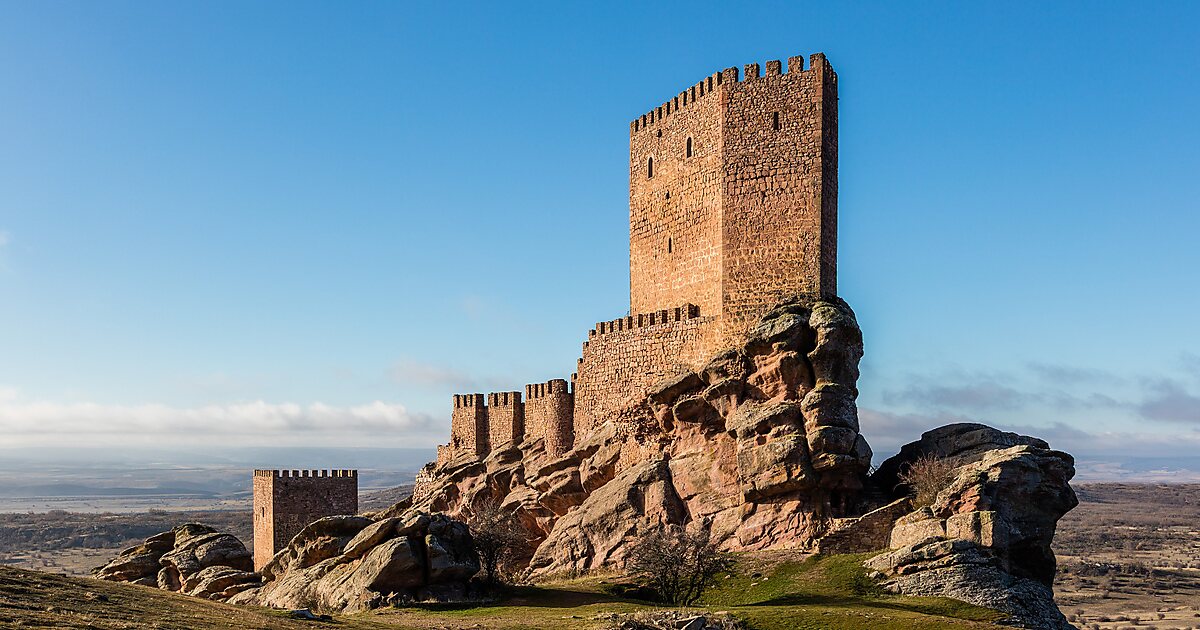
310, 223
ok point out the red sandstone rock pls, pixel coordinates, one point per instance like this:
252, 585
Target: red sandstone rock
762, 441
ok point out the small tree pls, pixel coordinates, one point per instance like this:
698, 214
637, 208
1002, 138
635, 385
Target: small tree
926, 477
499, 539
677, 563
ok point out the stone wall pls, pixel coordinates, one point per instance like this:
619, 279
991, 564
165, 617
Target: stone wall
287, 500
469, 425
506, 419
549, 413
674, 212
622, 358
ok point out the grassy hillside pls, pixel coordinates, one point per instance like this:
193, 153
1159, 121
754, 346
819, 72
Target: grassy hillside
769, 592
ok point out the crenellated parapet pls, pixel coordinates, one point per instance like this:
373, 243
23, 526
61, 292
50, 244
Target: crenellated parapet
307, 474
729, 76
644, 320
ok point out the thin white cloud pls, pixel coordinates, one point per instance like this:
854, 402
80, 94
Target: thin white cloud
251, 423
409, 372
4, 238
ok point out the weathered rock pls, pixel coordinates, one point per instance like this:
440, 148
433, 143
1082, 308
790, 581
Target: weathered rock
199, 552
218, 582
965, 571
138, 564
193, 558
963, 442
395, 559
599, 531
762, 442
986, 539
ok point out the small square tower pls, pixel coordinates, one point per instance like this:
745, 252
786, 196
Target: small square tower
287, 500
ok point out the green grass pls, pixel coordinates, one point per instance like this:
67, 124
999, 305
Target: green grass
833, 592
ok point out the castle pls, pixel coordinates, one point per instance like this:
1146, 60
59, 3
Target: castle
732, 206
287, 500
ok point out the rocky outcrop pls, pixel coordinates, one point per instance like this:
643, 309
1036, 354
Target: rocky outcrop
986, 539
762, 442
194, 559
352, 563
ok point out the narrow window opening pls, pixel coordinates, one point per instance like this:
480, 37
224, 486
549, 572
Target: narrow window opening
670, 246
775, 121
649, 168
689, 147
658, 134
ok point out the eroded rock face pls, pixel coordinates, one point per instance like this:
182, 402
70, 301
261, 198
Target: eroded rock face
192, 558
986, 539
352, 563
763, 442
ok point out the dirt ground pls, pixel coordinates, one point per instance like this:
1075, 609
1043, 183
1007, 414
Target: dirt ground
1129, 557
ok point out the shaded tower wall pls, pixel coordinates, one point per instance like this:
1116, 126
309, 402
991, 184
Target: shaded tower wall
469, 425
287, 500
506, 419
549, 414
779, 223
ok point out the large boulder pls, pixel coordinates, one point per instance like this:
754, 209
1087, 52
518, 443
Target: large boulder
192, 558
986, 538
600, 531
138, 564
969, 572
961, 442
196, 553
347, 564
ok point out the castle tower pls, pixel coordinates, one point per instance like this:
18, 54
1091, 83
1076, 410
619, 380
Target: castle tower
549, 414
287, 500
506, 419
469, 425
733, 193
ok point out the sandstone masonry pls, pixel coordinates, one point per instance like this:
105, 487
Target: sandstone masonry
287, 500
732, 207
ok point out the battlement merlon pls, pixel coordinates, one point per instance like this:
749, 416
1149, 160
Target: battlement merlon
549, 388
641, 320
307, 474
716, 81
468, 400
503, 399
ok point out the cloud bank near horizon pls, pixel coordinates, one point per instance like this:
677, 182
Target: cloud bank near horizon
251, 423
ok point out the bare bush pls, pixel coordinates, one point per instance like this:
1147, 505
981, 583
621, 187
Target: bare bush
677, 563
926, 477
499, 540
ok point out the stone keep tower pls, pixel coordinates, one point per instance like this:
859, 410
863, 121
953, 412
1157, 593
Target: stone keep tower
287, 500
733, 193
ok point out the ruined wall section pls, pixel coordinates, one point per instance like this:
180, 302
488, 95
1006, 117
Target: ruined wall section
287, 500
549, 414
780, 204
506, 419
675, 211
623, 358
469, 426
